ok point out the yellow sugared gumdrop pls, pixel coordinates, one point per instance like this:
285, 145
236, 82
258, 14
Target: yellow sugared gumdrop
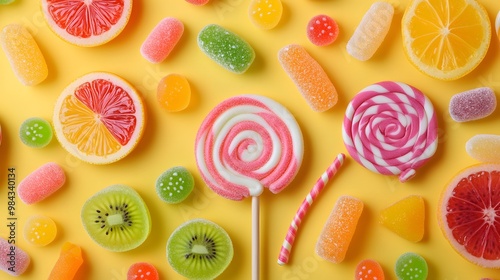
406, 218
174, 93
265, 14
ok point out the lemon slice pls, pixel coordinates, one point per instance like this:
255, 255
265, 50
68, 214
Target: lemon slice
446, 39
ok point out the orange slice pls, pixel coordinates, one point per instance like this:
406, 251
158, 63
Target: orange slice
469, 214
87, 22
99, 118
446, 39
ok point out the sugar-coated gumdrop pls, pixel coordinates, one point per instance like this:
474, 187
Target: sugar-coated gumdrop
484, 147
69, 261
24, 55
371, 31
322, 30
369, 270
162, 40
175, 184
265, 14
473, 104
309, 77
40, 230
174, 92
22, 258
497, 25
226, 48
35, 132
198, 2
411, 266
142, 271
406, 217
339, 229
41, 183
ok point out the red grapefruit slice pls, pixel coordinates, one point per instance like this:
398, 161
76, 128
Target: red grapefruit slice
87, 22
469, 214
99, 118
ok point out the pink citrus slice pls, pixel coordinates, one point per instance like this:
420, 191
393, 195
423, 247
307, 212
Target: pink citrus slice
87, 23
99, 118
469, 214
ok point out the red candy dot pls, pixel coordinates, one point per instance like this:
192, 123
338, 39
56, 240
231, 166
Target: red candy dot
322, 30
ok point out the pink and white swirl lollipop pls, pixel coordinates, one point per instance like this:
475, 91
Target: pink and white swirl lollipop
390, 128
245, 144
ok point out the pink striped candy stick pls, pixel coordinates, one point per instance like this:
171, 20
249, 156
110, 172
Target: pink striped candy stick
308, 201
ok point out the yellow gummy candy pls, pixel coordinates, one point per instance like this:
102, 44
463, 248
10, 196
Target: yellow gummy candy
174, 93
23, 54
484, 147
406, 218
265, 14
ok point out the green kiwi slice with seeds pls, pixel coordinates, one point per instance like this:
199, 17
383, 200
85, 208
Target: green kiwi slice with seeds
199, 249
116, 218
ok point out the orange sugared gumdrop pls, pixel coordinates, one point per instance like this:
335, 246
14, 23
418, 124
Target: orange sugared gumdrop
406, 218
174, 93
339, 229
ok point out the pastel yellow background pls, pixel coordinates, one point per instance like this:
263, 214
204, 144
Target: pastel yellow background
168, 141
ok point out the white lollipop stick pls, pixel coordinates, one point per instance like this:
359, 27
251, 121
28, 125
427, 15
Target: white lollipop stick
255, 238
301, 212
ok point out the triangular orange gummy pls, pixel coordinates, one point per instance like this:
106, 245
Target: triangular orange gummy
406, 218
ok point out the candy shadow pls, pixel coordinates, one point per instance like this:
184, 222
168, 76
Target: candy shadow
358, 241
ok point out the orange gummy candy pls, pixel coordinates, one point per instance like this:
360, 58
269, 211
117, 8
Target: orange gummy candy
174, 93
68, 263
309, 77
406, 217
369, 270
339, 229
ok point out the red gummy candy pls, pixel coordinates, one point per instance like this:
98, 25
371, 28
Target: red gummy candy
322, 30
143, 271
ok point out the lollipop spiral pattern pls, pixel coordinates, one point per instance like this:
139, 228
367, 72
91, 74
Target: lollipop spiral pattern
390, 128
246, 143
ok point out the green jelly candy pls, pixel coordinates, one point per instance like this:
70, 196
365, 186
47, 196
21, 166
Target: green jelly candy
5, 2
226, 48
175, 184
35, 132
411, 266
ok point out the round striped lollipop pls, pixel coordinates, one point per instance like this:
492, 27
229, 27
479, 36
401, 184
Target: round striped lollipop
390, 128
246, 143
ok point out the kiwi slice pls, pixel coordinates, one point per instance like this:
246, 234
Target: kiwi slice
199, 249
116, 218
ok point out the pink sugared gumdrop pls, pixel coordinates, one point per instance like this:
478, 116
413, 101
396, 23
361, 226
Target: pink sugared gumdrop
41, 183
322, 30
162, 40
13, 259
472, 104
198, 2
